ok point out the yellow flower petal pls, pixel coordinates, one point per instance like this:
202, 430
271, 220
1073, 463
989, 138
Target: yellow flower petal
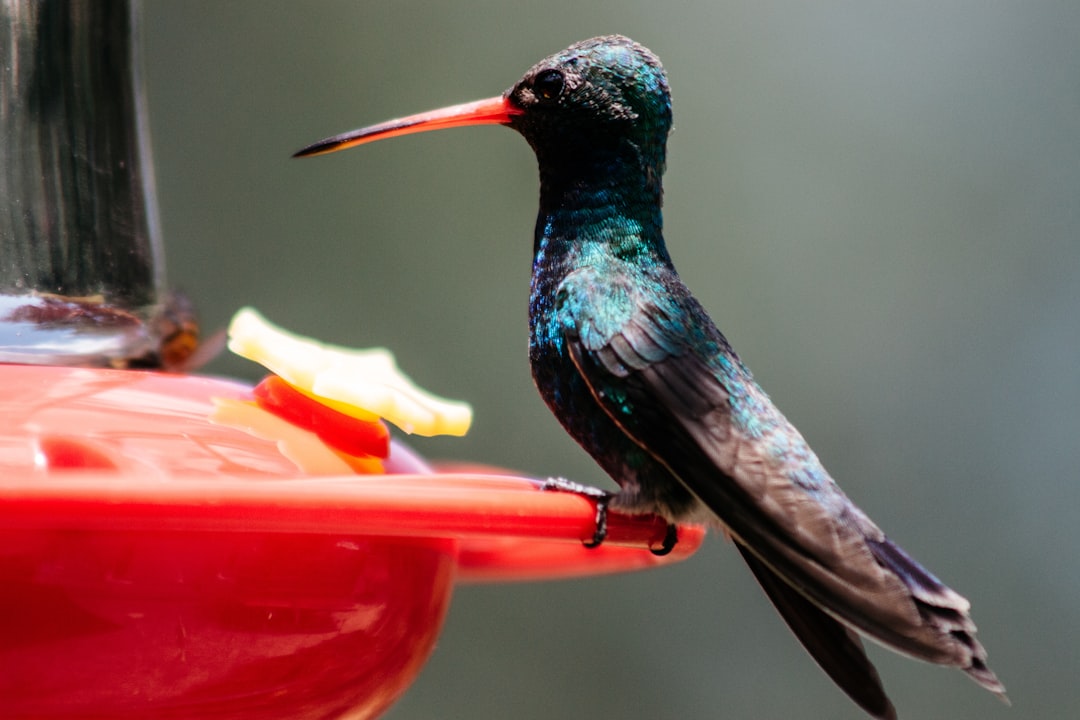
361, 383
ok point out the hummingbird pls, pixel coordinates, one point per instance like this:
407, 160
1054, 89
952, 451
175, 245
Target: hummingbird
638, 374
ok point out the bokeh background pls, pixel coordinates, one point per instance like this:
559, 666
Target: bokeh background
878, 202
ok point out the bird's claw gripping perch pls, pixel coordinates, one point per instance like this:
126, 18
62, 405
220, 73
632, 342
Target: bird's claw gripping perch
601, 521
671, 538
603, 499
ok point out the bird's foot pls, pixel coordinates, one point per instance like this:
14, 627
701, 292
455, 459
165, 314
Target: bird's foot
671, 538
601, 521
602, 499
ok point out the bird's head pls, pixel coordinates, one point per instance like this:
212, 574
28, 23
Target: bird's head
599, 96
594, 93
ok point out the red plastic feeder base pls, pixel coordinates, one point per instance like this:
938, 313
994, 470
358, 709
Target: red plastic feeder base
157, 563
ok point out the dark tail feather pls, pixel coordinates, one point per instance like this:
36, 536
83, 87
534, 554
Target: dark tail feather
836, 649
942, 608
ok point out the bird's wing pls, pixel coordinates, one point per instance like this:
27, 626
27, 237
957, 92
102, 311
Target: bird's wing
658, 367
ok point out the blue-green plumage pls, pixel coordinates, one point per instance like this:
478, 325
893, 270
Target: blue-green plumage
638, 374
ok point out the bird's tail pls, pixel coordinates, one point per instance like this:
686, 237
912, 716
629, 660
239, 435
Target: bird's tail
940, 607
836, 649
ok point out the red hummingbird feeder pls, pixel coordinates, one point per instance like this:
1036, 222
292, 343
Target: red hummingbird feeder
156, 563
175, 546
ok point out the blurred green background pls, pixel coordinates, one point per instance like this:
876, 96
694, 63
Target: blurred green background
878, 202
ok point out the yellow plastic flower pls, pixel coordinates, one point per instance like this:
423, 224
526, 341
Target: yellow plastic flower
362, 383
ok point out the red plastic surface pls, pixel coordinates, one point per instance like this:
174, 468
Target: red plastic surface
155, 563
341, 432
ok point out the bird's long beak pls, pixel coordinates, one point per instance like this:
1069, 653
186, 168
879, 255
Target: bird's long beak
493, 111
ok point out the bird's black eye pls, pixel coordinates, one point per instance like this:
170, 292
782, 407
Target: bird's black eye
548, 84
